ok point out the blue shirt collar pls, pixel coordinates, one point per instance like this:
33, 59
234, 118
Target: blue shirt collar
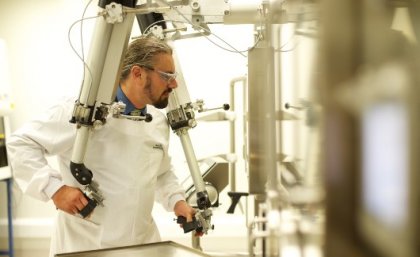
129, 107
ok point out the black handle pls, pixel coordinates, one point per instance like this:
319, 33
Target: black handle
189, 226
88, 209
235, 196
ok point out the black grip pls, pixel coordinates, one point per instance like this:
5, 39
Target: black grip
81, 173
189, 226
235, 197
88, 209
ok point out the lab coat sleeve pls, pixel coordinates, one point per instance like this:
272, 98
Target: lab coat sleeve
29, 146
168, 189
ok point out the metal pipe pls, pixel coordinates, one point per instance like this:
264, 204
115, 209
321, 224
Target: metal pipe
232, 128
261, 119
254, 235
91, 81
191, 159
195, 241
95, 62
80, 142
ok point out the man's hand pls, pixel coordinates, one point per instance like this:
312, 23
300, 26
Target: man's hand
69, 199
183, 209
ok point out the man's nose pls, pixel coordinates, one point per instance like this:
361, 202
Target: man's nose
173, 84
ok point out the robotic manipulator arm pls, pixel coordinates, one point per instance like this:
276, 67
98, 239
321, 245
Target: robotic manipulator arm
181, 118
102, 67
96, 99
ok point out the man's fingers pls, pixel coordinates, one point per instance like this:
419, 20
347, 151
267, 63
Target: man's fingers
190, 218
84, 201
75, 211
70, 200
79, 205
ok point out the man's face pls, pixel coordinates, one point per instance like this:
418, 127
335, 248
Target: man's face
159, 82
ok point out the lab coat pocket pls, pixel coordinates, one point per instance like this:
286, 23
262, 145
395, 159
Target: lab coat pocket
84, 234
120, 220
83, 222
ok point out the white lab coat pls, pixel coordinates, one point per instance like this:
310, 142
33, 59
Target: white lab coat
129, 160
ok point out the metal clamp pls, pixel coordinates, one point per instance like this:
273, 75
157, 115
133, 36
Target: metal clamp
114, 13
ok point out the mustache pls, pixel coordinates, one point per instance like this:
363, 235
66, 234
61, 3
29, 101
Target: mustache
169, 90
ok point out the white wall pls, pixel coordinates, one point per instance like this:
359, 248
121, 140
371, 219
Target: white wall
43, 67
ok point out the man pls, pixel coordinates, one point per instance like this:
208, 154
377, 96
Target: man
129, 160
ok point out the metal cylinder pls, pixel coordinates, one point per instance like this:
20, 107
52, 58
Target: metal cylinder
261, 119
95, 62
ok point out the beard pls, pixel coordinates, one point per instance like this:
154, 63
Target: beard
162, 101
161, 104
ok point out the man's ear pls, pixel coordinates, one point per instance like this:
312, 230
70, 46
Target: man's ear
136, 71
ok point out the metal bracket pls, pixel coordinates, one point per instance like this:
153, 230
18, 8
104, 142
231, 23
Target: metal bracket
114, 13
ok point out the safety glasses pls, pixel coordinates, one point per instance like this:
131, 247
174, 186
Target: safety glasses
166, 76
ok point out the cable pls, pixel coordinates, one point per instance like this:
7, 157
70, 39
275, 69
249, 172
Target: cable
69, 38
81, 56
234, 49
81, 34
280, 49
208, 31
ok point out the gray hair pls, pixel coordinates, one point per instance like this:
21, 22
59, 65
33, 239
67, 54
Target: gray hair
141, 52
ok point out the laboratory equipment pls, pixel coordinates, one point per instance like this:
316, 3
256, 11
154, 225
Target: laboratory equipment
110, 38
372, 149
215, 173
349, 225
6, 107
97, 95
6, 176
263, 147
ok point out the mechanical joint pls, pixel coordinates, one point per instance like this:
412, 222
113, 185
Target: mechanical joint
82, 114
117, 110
203, 200
82, 174
182, 117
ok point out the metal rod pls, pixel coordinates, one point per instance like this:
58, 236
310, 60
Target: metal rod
191, 159
232, 128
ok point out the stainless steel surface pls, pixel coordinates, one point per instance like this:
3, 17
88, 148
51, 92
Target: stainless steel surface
261, 119
232, 127
215, 173
218, 173
161, 249
214, 170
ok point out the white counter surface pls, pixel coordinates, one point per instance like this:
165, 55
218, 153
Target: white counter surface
5, 173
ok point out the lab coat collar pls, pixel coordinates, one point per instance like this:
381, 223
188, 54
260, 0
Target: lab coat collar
129, 107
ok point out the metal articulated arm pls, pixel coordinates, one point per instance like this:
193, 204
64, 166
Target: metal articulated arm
102, 67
